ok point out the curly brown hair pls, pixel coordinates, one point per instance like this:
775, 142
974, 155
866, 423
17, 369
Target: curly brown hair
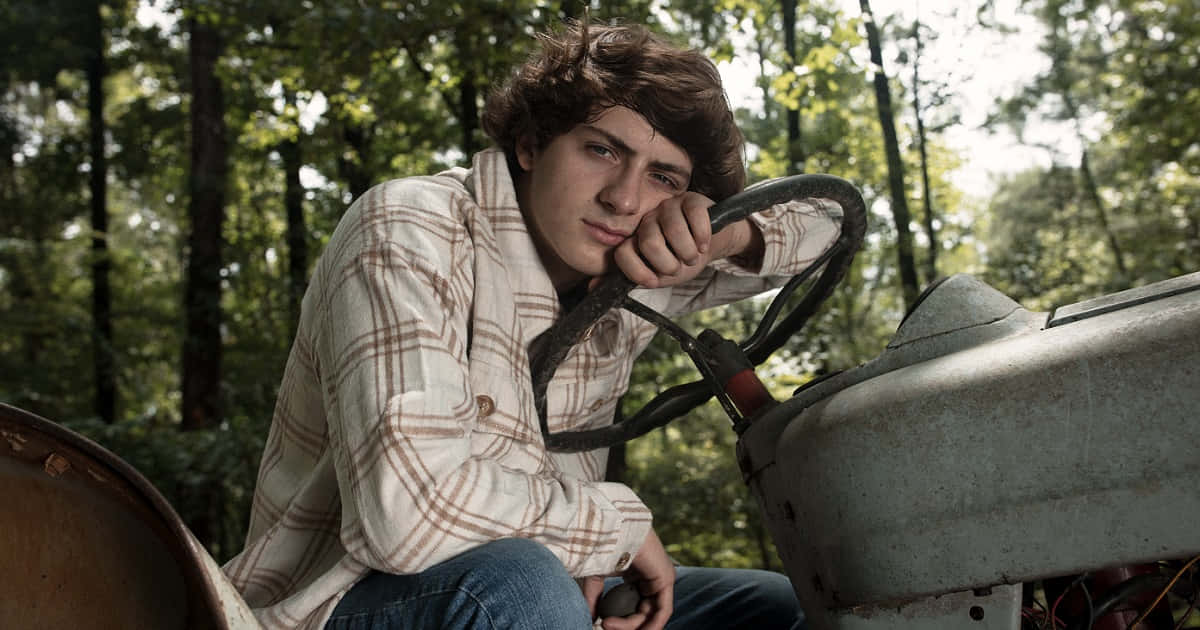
584, 69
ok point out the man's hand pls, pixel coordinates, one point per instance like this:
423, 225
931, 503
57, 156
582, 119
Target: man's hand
654, 576
592, 587
674, 242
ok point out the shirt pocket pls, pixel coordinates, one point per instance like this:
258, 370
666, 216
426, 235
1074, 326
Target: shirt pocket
505, 426
592, 378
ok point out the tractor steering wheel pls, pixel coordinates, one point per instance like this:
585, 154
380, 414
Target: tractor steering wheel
549, 349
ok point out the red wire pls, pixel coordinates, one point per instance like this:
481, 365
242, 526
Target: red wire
1054, 609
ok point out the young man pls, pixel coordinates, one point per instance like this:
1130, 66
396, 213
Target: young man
405, 483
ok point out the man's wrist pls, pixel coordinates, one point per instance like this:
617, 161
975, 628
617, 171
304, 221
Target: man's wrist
746, 245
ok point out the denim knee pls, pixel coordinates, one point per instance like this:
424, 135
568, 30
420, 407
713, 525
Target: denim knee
774, 592
523, 555
524, 585
734, 598
508, 583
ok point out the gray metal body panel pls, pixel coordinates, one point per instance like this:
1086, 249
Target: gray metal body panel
983, 449
991, 609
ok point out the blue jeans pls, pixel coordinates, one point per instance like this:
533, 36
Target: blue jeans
518, 584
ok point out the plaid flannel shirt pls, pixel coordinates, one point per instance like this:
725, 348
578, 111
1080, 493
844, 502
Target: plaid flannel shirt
405, 431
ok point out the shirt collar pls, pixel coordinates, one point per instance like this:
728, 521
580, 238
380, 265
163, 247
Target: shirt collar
492, 185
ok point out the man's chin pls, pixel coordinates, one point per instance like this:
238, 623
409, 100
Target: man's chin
593, 268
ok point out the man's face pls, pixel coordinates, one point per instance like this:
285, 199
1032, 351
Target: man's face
587, 190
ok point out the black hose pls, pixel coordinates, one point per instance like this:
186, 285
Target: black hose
1124, 591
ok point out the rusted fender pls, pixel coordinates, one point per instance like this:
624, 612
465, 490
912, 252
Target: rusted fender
87, 542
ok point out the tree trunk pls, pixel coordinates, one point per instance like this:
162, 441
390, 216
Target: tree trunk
1063, 82
468, 95
27, 286
468, 115
102, 331
883, 97
21, 281
297, 232
37, 339
354, 170
1093, 194
764, 552
206, 208
1191, 232
926, 191
795, 146
1185, 257
570, 9
768, 103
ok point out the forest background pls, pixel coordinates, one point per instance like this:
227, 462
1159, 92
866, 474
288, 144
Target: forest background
170, 171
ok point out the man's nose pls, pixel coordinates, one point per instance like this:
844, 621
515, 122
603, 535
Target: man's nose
622, 193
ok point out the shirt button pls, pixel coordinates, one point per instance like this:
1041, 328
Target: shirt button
623, 561
597, 404
587, 334
486, 405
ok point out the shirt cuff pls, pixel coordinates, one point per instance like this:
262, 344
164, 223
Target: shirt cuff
635, 525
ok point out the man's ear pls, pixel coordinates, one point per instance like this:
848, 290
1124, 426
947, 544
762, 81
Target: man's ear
525, 152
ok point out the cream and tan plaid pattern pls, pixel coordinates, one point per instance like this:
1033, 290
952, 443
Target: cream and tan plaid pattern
405, 430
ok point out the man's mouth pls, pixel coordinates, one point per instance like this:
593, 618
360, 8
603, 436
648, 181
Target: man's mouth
605, 234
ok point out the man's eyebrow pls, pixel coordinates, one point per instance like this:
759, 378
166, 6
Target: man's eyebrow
620, 144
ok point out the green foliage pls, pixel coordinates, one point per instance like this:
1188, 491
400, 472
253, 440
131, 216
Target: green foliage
204, 474
703, 511
1125, 213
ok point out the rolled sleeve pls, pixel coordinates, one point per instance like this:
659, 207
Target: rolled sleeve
794, 235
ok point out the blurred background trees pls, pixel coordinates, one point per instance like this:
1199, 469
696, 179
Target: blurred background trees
170, 169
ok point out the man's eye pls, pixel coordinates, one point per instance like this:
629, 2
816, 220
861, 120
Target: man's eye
670, 182
599, 149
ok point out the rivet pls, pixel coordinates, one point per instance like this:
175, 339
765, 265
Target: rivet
55, 465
